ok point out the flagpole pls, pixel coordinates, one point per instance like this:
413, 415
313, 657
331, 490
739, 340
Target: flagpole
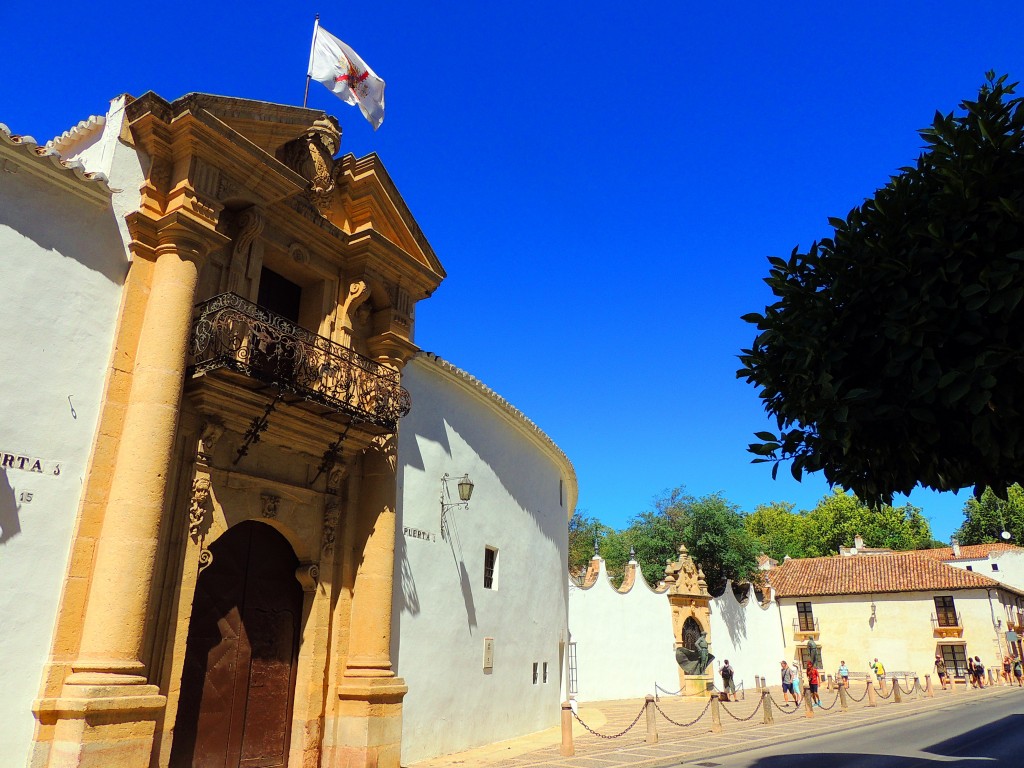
309, 68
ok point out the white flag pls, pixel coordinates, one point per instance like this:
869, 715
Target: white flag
345, 74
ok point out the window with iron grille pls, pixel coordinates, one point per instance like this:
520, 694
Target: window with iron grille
805, 656
955, 657
806, 617
536, 673
490, 568
945, 612
573, 685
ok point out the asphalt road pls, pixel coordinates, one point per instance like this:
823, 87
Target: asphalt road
979, 733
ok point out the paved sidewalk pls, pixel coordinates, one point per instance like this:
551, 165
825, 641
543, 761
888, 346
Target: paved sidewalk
742, 729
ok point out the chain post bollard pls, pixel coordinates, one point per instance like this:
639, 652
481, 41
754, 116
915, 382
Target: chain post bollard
757, 683
872, 700
928, 690
829, 683
766, 702
652, 723
991, 676
843, 704
716, 714
897, 697
568, 749
882, 687
808, 705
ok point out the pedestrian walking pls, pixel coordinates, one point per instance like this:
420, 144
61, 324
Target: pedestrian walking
1006, 669
1018, 672
940, 670
844, 674
728, 686
971, 674
812, 683
878, 668
796, 678
979, 671
787, 685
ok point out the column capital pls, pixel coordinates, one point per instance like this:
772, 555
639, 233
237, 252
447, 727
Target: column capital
179, 232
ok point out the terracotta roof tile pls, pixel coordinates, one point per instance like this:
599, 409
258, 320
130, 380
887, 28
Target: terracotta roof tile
50, 158
969, 551
862, 574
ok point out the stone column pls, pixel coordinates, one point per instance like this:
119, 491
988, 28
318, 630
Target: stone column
107, 711
370, 643
369, 714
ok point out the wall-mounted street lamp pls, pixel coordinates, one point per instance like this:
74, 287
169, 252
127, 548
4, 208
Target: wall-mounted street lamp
465, 486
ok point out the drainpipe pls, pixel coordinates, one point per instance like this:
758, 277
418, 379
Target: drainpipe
995, 629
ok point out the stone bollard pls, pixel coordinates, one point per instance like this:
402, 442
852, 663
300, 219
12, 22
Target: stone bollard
766, 704
567, 749
757, 682
808, 706
991, 676
652, 724
872, 700
828, 683
882, 687
763, 684
928, 690
843, 704
897, 697
716, 715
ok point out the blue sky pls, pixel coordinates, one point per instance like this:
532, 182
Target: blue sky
602, 181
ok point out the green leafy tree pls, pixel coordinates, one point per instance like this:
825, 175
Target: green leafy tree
985, 518
712, 529
584, 530
892, 355
778, 529
839, 517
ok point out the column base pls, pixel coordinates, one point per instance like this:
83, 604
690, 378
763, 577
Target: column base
102, 726
366, 731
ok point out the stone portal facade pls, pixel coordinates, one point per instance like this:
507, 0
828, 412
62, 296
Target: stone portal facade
229, 591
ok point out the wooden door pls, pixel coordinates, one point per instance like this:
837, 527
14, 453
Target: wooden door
238, 680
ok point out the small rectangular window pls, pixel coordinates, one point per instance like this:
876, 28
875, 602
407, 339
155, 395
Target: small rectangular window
545, 671
535, 672
995, 566
490, 568
945, 612
561, 503
970, 567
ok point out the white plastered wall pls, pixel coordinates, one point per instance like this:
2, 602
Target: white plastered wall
62, 267
1009, 567
442, 612
624, 644
750, 636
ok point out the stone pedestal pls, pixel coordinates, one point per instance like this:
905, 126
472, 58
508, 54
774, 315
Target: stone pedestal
368, 727
696, 685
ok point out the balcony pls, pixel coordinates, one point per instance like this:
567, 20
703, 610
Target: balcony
258, 350
947, 625
806, 628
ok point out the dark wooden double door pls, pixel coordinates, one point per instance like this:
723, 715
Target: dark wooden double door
238, 680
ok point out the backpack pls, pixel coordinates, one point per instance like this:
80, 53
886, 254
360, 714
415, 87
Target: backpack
727, 672
1018, 670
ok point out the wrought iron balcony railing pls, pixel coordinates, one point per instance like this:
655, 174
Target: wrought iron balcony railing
231, 333
947, 624
805, 626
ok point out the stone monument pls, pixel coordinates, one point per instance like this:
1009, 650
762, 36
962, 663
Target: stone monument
689, 599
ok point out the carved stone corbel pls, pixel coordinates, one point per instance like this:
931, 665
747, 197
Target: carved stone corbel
250, 224
312, 157
308, 575
358, 292
212, 429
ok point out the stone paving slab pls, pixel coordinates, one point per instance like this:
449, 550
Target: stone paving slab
693, 742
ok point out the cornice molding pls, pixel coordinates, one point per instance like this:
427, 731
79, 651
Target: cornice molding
23, 152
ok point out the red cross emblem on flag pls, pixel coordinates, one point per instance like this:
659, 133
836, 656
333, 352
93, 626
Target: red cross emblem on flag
355, 80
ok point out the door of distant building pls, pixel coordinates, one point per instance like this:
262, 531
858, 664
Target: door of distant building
238, 679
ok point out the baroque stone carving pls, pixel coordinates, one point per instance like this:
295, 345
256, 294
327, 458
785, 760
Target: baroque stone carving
312, 157
205, 558
197, 506
332, 515
250, 225
208, 437
269, 504
358, 292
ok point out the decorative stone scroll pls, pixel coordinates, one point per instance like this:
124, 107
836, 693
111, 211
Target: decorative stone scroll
308, 575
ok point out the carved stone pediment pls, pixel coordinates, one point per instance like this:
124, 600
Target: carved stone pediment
684, 578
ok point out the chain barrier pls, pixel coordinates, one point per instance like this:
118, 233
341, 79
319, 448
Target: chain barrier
854, 698
667, 693
739, 719
783, 709
684, 725
615, 735
889, 695
832, 705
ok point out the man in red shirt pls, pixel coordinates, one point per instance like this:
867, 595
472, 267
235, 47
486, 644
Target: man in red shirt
812, 682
